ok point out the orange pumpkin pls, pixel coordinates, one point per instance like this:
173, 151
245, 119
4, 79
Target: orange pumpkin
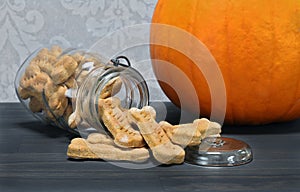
256, 44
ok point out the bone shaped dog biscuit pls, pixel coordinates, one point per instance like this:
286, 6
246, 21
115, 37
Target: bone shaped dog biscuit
35, 82
112, 87
46, 58
208, 128
116, 122
71, 82
56, 50
83, 149
57, 102
64, 69
73, 120
191, 134
24, 93
35, 104
164, 151
184, 134
94, 138
55, 96
32, 69
45, 61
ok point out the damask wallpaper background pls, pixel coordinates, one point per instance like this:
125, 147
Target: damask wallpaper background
26, 25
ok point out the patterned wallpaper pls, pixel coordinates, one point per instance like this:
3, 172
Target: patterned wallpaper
26, 25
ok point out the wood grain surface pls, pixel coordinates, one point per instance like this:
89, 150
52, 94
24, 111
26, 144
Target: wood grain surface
33, 158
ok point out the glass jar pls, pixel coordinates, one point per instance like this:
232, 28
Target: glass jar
62, 87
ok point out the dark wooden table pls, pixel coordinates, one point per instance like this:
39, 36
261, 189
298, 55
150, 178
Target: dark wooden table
33, 158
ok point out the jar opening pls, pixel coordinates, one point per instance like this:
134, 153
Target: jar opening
124, 83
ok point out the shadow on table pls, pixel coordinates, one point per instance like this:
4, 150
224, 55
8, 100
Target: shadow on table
44, 129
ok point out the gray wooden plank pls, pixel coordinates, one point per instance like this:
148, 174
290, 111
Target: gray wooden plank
33, 158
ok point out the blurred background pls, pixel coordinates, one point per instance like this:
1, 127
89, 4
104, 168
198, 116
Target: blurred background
26, 25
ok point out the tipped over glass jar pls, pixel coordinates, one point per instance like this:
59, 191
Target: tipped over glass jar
62, 87
67, 88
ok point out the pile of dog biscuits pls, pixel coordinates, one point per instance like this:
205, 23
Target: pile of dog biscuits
166, 142
47, 77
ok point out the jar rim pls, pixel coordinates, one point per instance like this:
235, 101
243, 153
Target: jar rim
135, 87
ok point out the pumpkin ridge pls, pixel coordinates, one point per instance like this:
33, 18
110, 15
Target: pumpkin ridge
227, 60
273, 54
